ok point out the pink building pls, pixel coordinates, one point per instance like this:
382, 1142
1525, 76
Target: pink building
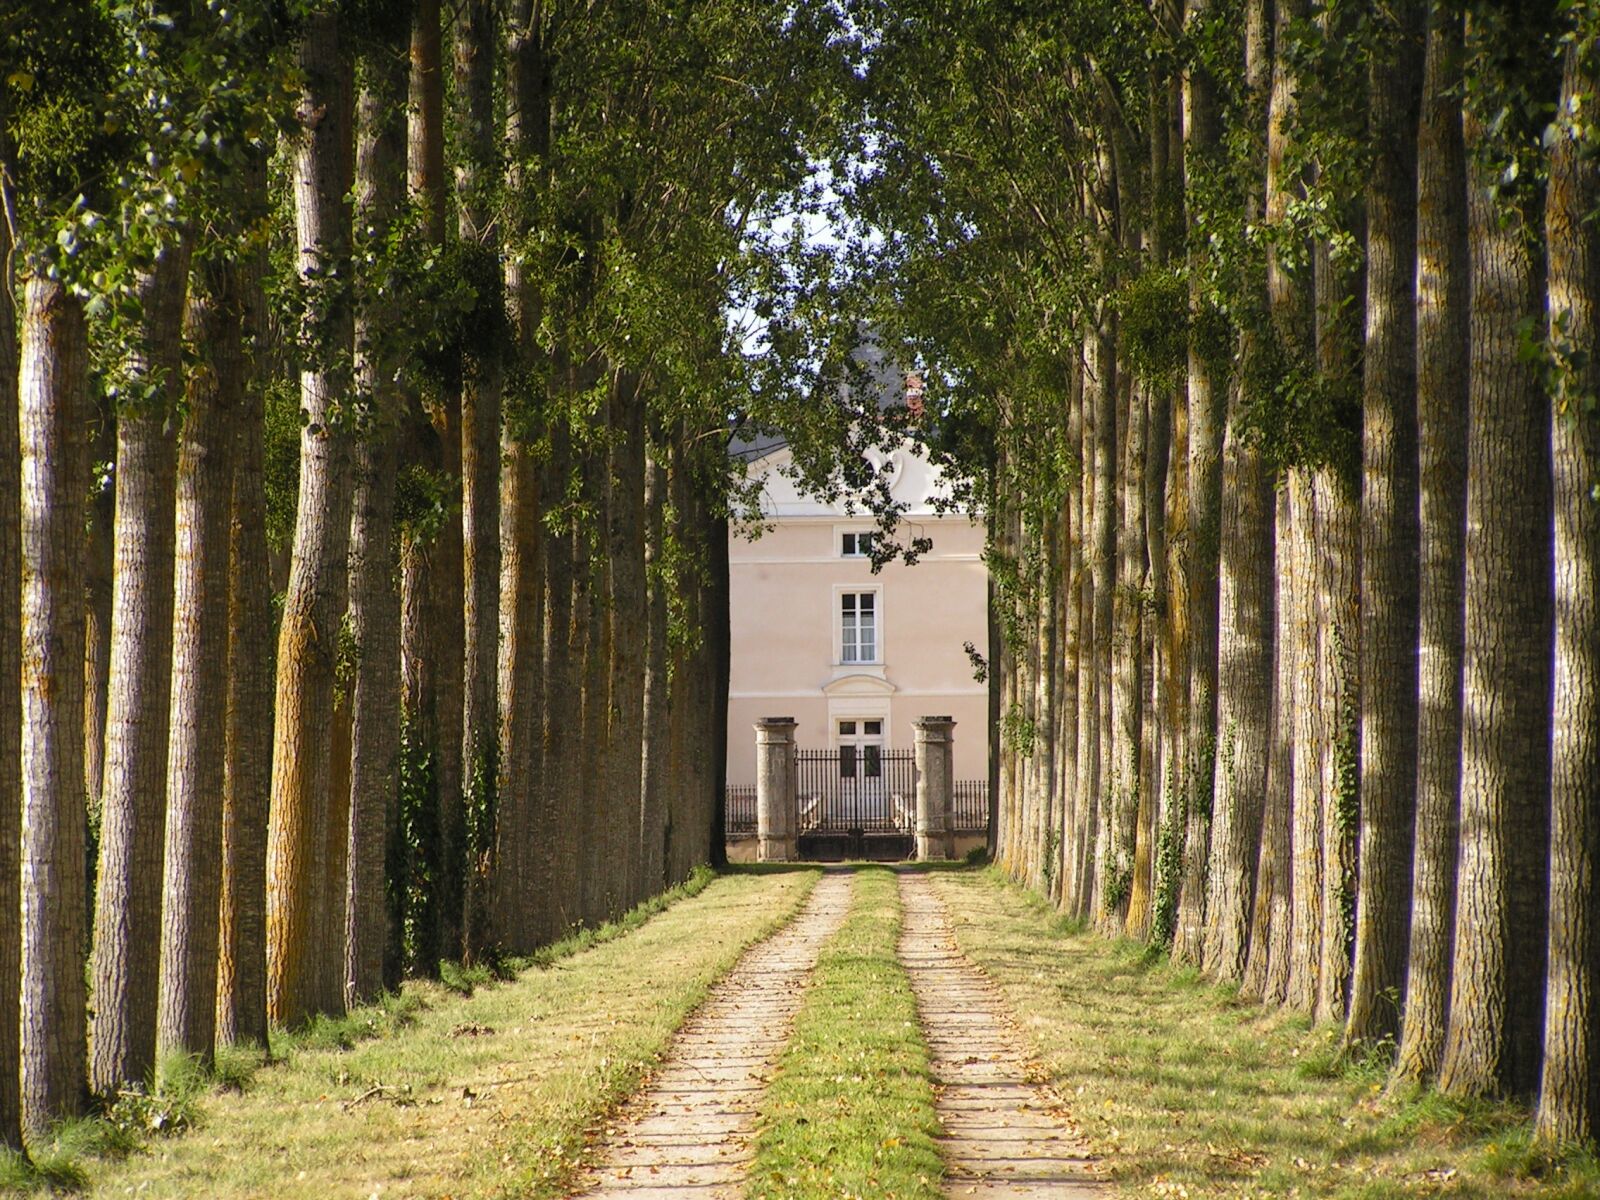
854, 657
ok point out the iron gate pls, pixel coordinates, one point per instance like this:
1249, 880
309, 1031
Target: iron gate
856, 802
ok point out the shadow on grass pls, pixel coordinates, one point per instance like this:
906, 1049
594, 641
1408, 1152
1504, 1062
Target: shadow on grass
1183, 1084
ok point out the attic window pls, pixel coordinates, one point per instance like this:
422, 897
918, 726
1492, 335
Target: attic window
857, 545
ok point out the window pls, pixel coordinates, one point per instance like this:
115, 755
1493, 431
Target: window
857, 545
858, 613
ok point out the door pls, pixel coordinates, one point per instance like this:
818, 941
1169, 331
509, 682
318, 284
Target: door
861, 788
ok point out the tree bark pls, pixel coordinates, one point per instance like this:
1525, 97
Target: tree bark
654, 784
482, 382
375, 716
1497, 981
1389, 536
309, 635
1442, 353
54, 418
521, 846
1309, 735
10, 678
1207, 419
1569, 1092
98, 600
1266, 971
247, 769
128, 917
630, 614
193, 877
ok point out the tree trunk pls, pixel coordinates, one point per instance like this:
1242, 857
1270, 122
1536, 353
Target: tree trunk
429, 641
1207, 418
128, 917
1309, 735
1244, 699
629, 608
247, 770
1336, 563
1103, 566
654, 784
1127, 689
1569, 1093
1389, 537
475, 56
374, 595
98, 584
54, 419
1266, 971
313, 605
193, 883
521, 849
10, 680
1442, 353
560, 706
1497, 981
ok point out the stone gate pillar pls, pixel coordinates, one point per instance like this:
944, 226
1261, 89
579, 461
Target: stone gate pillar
777, 815
935, 788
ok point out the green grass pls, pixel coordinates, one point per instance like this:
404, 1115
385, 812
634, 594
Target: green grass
850, 1110
429, 1092
1186, 1090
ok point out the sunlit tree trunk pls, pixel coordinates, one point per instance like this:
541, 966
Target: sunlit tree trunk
54, 413
128, 917
1389, 536
1569, 1092
1208, 389
1127, 688
1497, 983
1308, 734
313, 606
1442, 352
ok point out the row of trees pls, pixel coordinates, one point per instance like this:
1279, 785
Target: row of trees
363, 492
1269, 328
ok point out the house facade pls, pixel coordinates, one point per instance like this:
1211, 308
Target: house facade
855, 657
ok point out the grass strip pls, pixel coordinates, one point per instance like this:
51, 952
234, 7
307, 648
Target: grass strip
1190, 1091
499, 1093
850, 1109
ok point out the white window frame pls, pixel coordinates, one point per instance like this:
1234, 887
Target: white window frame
840, 534
840, 591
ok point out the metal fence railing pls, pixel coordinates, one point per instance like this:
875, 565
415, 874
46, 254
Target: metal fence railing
883, 802
971, 806
866, 788
739, 810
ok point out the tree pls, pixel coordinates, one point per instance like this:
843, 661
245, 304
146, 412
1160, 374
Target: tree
1569, 1090
309, 634
374, 596
10, 676
1496, 993
128, 917
54, 411
247, 768
1442, 355
1388, 535
475, 60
